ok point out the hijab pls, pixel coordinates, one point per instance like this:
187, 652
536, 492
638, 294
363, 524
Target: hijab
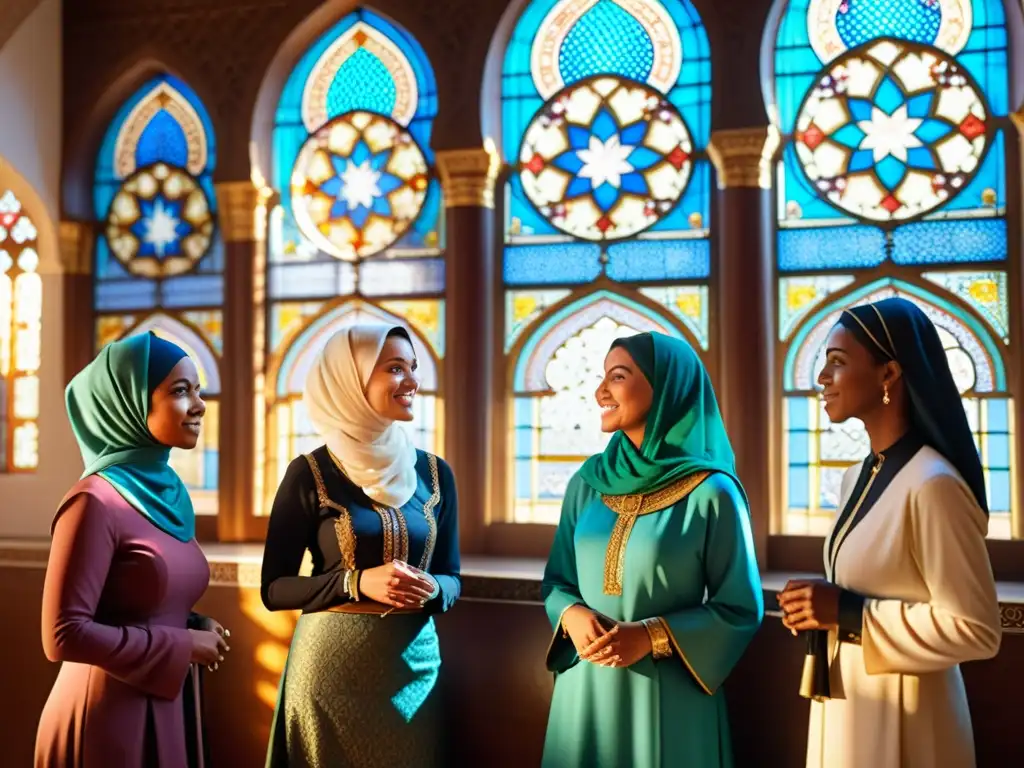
898, 330
684, 433
108, 403
375, 453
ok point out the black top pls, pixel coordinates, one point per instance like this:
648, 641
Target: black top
893, 459
299, 521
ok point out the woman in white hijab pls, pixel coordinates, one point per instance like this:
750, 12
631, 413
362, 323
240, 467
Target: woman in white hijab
381, 523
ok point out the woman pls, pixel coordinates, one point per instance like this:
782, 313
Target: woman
125, 570
909, 593
380, 521
647, 527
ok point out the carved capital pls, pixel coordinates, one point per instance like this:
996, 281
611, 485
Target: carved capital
468, 176
742, 157
77, 239
237, 204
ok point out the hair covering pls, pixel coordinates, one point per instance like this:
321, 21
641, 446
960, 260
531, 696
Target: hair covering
375, 452
108, 404
684, 432
897, 329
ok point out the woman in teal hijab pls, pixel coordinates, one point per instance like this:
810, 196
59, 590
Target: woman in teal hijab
125, 570
651, 586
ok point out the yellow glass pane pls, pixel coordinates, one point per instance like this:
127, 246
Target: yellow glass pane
26, 397
26, 446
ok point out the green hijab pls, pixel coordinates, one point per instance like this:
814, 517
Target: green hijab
684, 432
108, 404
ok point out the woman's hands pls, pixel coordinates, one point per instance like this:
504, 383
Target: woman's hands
602, 641
397, 584
809, 604
209, 646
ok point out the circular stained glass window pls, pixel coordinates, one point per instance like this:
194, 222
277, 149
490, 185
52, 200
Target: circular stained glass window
160, 223
605, 158
358, 185
891, 131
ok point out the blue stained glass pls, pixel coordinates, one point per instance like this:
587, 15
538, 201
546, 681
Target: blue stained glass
960, 241
301, 280
211, 469
799, 480
524, 485
362, 82
400, 277
607, 39
859, 21
999, 490
844, 247
638, 260
798, 449
998, 454
162, 139
552, 263
192, 291
998, 415
135, 293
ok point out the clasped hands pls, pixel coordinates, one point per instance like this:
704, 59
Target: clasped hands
398, 584
809, 604
605, 642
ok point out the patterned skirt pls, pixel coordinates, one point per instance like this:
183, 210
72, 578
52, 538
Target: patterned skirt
359, 691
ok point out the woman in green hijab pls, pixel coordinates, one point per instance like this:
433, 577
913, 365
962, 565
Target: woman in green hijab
651, 586
125, 571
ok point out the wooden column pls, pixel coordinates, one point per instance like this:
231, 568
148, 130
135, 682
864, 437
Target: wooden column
1015, 369
77, 241
468, 177
238, 202
742, 280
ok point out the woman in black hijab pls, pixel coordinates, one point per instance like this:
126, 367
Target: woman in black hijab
909, 592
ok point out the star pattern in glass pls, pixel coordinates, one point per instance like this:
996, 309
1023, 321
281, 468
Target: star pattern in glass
159, 223
605, 158
891, 131
358, 184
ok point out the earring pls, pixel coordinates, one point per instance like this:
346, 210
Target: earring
885, 394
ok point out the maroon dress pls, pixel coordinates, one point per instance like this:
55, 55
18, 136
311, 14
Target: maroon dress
116, 601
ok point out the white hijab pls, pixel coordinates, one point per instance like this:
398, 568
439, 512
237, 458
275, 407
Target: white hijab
375, 452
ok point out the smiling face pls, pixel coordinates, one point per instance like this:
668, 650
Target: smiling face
853, 380
393, 383
176, 407
625, 396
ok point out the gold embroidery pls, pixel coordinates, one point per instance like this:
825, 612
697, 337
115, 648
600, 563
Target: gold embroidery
629, 507
342, 523
387, 526
661, 647
428, 513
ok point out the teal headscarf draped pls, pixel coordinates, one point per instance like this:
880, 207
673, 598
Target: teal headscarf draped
108, 404
684, 432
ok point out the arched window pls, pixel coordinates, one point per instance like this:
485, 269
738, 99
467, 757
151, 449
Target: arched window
159, 257
605, 127
891, 178
21, 302
360, 212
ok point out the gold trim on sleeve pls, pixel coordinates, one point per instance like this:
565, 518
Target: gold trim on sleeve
682, 656
559, 630
629, 507
428, 513
661, 648
342, 523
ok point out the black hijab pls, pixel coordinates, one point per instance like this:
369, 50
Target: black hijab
897, 329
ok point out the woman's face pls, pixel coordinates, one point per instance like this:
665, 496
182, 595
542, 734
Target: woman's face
625, 395
393, 383
852, 379
176, 408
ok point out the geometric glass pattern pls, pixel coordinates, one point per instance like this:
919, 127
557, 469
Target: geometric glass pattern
892, 131
159, 261
21, 295
358, 184
891, 163
606, 120
605, 159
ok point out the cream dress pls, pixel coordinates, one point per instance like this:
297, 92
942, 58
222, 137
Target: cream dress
898, 696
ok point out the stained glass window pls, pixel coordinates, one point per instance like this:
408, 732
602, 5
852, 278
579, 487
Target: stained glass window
21, 302
891, 116
605, 128
159, 258
358, 230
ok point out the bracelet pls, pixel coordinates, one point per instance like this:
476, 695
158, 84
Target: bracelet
660, 646
354, 578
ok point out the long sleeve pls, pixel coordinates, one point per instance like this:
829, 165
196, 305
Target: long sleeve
292, 527
960, 621
711, 638
560, 587
445, 564
154, 659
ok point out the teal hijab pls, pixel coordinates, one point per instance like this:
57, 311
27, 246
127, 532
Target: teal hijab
684, 432
108, 404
